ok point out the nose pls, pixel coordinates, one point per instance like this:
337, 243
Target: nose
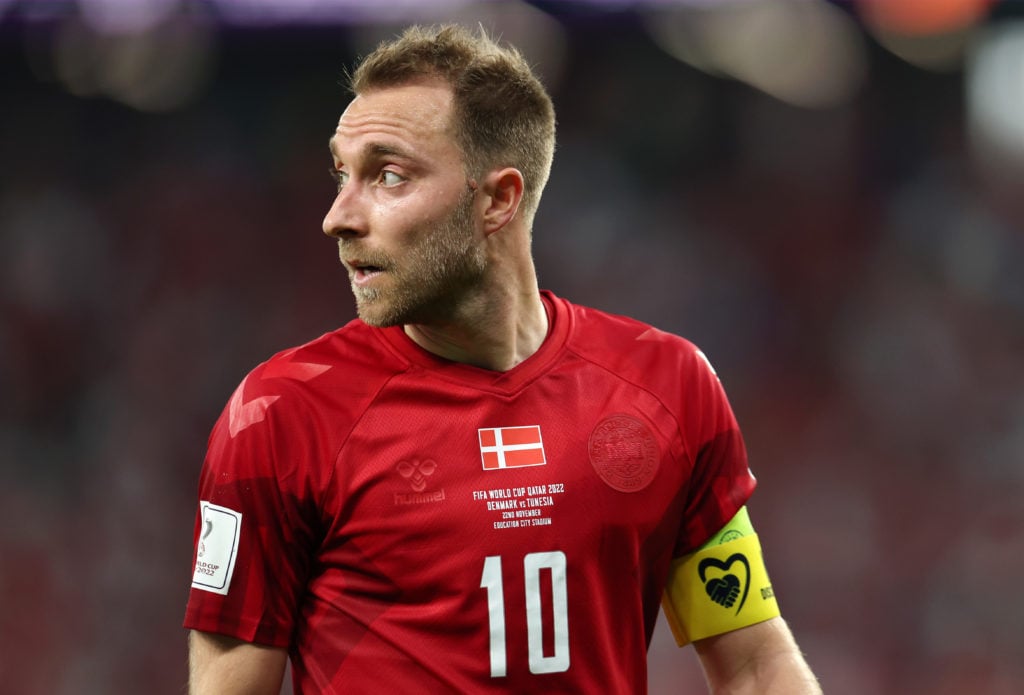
346, 218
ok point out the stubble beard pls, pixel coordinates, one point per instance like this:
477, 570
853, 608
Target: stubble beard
433, 278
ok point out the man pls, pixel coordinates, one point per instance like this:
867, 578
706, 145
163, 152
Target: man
477, 486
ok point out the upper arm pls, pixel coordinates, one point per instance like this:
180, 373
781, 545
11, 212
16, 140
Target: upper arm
224, 666
257, 526
720, 588
761, 659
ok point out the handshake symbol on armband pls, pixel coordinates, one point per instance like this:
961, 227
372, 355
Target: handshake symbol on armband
724, 590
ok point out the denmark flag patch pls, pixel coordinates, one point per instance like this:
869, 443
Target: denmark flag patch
511, 447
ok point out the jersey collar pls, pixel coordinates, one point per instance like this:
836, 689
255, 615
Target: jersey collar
559, 327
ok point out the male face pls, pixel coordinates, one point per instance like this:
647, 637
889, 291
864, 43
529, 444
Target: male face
404, 213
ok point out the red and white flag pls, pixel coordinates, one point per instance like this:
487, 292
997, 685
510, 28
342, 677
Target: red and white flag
511, 447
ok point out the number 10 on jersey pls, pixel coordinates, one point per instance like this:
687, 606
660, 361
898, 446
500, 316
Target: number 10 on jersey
533, 563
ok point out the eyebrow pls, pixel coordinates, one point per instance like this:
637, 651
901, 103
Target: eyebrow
376, 150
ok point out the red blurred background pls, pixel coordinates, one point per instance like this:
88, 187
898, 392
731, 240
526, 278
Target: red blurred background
826, 197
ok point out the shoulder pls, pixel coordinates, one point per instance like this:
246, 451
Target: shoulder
343, 358
339, 371
665, 366
632, 348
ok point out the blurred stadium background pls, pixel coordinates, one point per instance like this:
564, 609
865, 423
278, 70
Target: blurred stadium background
827, 197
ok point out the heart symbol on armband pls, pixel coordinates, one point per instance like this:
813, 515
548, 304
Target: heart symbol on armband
725, 588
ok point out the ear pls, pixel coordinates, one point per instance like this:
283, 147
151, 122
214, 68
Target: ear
502, 192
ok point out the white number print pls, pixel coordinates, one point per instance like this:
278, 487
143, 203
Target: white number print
532, 566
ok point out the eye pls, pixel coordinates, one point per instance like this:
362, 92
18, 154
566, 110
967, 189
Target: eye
340, 177
389, 178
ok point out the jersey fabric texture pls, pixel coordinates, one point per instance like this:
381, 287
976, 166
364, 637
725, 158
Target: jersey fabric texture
412, 523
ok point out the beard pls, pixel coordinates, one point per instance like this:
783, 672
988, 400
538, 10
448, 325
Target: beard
431, 279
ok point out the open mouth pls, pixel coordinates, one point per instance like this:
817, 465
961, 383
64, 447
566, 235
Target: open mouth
365, 272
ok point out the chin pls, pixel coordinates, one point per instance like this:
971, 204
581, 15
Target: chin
379, 315
405, 309
375, 319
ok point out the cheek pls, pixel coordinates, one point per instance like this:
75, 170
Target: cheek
409, 228
404, 220
402, 213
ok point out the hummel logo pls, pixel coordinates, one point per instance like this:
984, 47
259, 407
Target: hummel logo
416, 473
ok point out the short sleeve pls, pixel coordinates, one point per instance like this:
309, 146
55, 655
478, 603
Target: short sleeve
721, 481
256, 483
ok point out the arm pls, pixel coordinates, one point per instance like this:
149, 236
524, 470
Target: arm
220, 665
761, 659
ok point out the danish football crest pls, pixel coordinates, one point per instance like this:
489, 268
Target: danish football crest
624, 453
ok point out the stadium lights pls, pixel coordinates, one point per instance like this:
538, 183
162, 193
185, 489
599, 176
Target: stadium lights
806, 53
994, 84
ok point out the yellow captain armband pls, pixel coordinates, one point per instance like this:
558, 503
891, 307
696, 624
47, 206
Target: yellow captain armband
721, 587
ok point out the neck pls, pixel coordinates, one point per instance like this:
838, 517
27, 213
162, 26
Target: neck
497, 331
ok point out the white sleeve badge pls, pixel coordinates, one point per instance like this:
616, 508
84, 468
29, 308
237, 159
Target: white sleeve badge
217, 548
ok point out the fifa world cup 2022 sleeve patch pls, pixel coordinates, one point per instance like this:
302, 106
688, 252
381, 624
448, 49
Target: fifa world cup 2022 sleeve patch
217, 548
722, 587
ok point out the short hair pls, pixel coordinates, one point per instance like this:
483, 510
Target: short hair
501, 114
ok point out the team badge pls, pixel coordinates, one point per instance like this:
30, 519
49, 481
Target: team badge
624, 453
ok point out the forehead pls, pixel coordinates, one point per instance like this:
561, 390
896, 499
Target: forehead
411, 117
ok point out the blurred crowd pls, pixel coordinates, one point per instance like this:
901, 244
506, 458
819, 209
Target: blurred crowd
854, 273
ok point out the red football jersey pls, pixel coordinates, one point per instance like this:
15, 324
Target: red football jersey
401, 521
